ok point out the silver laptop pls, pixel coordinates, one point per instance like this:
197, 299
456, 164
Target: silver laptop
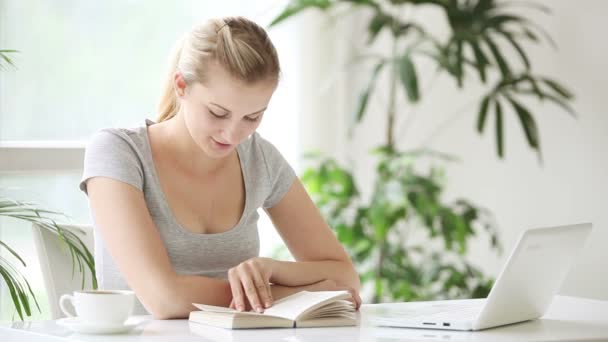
523, 291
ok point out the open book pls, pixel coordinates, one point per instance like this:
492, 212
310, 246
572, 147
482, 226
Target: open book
302, 309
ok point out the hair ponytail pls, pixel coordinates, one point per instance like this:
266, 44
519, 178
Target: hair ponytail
168, 105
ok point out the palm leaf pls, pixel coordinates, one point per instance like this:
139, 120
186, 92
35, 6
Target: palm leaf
561, 103
528, 4
29, 288
376, 24
483, 111
558, 88
364, 97
480, 59
530, 34
499, 130
498, 57
296, 6
502, 19
458, 64
12, 251
558, 101
45, 219
509, 37
10, 283
544, 33
527, 122
409, 79
14, 281
4, 56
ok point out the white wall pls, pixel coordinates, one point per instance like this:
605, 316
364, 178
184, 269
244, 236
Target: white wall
570, 186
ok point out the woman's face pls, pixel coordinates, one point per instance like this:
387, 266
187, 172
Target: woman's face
223, 112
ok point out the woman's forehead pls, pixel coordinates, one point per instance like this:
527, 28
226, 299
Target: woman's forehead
235, 95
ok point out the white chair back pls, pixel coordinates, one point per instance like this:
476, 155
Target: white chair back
56, 264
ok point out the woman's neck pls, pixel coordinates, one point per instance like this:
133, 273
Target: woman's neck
177, 145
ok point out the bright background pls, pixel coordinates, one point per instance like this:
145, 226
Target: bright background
85, 65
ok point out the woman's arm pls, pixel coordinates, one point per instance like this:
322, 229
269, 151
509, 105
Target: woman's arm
320, 259
122, 217
319, 255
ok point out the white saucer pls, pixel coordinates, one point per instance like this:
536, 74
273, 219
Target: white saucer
75, 324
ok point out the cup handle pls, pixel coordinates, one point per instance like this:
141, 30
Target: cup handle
62, 300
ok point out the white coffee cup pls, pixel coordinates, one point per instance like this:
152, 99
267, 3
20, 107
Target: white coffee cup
100, 307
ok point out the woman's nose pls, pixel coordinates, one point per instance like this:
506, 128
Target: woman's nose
230, 133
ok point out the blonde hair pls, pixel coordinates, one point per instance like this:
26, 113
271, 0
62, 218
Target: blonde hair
237, 44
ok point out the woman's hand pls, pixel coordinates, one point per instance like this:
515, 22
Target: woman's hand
250, 284
330, 285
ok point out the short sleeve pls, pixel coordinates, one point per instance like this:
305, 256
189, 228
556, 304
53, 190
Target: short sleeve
110, 154
280, 174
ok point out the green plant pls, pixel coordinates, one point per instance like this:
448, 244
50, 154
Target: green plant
18, 286
16, 283
4, 57
406, 201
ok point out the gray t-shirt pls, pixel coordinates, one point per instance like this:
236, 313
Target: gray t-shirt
125, 155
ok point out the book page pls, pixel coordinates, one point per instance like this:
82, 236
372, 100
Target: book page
290, 307
336, 308
239, 320
212, 308
293, 306
327, 322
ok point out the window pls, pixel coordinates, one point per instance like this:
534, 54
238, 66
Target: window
87, 65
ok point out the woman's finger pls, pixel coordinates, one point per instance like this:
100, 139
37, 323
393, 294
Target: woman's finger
262, 287
250, 290
269, 290
237, 290
356, 299
355, 294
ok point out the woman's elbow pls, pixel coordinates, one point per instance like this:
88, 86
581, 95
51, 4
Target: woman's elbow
164, 301
164, 314
159, 315
166, 309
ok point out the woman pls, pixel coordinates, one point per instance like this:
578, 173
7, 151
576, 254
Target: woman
175, 202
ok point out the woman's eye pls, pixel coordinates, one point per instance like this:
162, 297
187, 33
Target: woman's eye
252, 119
216, 115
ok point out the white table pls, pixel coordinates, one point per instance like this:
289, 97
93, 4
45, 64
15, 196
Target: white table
568, 319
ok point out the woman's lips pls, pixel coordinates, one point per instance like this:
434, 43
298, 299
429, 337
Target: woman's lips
221, 145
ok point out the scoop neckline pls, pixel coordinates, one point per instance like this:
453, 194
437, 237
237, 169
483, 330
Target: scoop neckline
166, 205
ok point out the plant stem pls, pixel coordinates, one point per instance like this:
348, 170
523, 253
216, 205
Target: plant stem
390, 144
390, 140
378, 272
402, 131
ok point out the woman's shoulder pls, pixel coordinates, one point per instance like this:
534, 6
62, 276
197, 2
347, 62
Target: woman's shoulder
258, 149
112, 138
270, 169
117, 147
262, 154
117, 153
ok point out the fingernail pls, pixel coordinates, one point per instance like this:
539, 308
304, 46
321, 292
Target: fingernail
259, 309
240, 308
267, 304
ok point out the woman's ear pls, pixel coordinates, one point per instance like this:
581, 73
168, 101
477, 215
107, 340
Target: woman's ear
179, 84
